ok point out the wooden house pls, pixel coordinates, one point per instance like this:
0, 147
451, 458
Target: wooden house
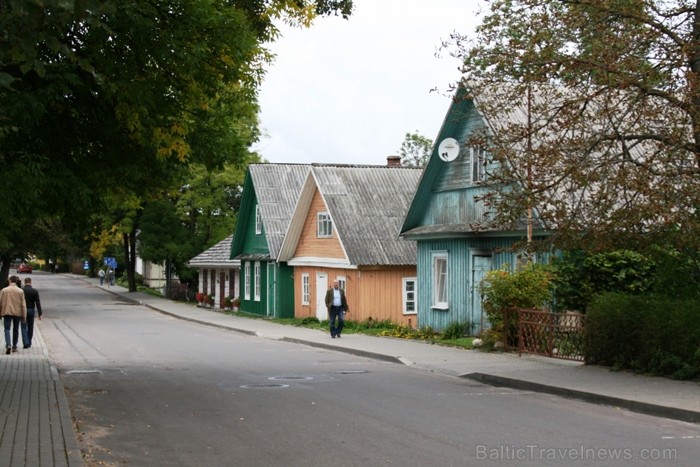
345, 227
449, 221
270, 192
218, 274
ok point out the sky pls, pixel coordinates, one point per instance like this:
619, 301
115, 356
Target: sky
348, 91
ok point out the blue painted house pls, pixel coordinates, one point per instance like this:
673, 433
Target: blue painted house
270, 192
456, 246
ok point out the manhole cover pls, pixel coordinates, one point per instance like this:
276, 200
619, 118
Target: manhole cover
349, 372
290, 378
263, 386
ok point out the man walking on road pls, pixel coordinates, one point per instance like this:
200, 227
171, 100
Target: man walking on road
31, 298
13, 309
337, 306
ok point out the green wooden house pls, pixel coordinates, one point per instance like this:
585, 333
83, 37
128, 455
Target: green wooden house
456, 246
270, 193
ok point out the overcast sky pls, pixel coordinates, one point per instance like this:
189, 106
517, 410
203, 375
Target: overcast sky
347, 91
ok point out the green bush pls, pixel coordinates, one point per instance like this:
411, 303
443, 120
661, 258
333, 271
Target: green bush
648, 334
457, 330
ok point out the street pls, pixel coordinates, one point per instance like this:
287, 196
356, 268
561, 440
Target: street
147, 389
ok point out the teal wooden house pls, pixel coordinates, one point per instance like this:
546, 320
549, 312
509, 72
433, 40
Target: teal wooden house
270, 192
450, 224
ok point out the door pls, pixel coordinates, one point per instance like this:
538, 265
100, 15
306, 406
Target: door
321, 288
481, 264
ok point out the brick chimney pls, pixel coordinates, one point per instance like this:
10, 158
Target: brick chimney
393, 161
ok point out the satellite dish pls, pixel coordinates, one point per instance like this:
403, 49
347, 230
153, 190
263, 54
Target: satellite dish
448, 150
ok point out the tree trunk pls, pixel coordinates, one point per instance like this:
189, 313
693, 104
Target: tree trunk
129, 241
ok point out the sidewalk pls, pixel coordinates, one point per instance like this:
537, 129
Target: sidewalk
661, 397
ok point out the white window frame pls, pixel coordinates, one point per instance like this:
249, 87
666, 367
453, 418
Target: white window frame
324, 225
258, 220
520, 259
305, 289
342, 283
410, 297
477, 164
256, 280
246, 280
440, 280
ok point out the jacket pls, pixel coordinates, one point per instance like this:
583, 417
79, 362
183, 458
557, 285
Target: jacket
343, 300
12, 302
31, 298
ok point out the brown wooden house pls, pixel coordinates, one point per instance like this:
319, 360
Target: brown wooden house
345, 227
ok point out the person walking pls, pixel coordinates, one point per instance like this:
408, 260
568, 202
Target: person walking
337, 306
13, 310
110, 276
31, 298
101, 275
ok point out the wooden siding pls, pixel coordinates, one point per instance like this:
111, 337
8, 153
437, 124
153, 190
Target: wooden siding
456, 207
309, 244
372, 293
284, 290
252, 306
254, 243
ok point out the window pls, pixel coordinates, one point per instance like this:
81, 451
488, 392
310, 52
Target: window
342, 283
256, 282
440, 280
304, 289
523, 258
409, 296
246, 281
477, 161
258, 220
324, 225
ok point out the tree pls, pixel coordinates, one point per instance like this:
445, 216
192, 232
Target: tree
415, 150
608, 148
95, 95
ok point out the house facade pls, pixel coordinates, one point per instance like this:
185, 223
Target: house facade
270, 192
345, 227
449, 222
218, 274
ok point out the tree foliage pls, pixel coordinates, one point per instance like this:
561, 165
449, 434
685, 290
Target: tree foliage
607, 148
415, 150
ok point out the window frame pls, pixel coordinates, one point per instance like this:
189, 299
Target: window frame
258, 220
305, 288
325, 223
405, 294
440, 280
246, 280
257, 280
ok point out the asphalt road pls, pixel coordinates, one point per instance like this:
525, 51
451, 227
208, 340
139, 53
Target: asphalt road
146, 389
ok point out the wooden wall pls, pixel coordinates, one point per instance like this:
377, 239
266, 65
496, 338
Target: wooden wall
309, 244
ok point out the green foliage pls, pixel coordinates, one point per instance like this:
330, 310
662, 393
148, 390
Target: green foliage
415, 150
457, 330
579, 277
530, 287
654, 335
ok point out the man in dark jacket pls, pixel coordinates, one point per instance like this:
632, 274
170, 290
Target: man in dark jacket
31, 297
337, 306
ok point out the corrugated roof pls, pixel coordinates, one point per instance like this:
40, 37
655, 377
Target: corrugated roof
367, 206
217, 255
277, 187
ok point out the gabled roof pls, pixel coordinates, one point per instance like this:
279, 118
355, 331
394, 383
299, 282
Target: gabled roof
275, 188
215, 257
366, 205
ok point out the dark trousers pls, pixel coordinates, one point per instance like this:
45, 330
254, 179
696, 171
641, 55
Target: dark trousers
11, 321
336, 312
28, 328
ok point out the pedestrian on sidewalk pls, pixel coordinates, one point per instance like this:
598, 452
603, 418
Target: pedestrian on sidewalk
337, 306
110, 276
13, 310
101, 275
31, 298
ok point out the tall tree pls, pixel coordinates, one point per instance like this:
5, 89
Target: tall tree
610, 145
415, 150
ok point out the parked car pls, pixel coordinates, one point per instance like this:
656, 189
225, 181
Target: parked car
24, 268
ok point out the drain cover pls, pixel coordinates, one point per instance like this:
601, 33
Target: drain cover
263, 386
81, 372
349, 372
290, 378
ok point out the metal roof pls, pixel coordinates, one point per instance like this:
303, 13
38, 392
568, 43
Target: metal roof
216, 256
367, 205
277, 187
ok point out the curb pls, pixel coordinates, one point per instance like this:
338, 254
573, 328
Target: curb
634, 406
